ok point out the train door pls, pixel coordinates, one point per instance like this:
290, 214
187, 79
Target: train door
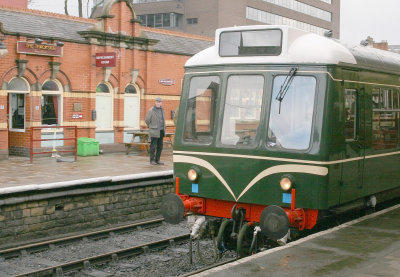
354, 151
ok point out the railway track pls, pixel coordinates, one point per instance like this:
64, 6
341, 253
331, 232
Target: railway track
45, 245
114, 256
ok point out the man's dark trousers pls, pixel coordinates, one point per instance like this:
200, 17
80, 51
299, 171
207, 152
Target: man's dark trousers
156, 146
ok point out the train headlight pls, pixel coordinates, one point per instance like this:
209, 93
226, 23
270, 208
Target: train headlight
286, 183
193, 174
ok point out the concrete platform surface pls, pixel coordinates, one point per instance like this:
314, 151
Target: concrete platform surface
366, 247
18, 171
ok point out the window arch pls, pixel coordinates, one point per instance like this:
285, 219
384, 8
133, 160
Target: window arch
52, 102
103, 88
18, 84
18, 88
131, 89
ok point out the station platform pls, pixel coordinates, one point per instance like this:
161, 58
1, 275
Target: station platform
366, 247
18, 171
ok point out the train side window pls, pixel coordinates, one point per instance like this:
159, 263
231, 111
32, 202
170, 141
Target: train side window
350, 107
385, 119
242, 110
200, 109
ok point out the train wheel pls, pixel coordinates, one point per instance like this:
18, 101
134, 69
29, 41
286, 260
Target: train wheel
244, 240
224, 240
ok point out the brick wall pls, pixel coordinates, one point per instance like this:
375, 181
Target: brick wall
78, 73
52, 217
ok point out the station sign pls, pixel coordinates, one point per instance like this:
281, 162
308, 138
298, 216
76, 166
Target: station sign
41, 49
167, 82
106, 59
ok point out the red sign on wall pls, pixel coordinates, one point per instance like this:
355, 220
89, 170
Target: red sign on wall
107, 59
39, 49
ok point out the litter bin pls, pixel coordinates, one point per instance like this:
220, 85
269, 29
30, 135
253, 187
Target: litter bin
88, 147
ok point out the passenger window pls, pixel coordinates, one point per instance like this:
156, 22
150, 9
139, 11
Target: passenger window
350, 108
385, 119
242, 110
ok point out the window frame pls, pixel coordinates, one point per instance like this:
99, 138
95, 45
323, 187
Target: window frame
10, 93
356, 114
312, 126
213, 131
221, 121
59, 94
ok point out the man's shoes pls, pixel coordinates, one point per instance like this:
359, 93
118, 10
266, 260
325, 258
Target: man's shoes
160, 163
153, 163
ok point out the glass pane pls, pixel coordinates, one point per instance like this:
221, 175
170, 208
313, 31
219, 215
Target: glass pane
291, 119
158, 20
242, 110
130, 89
351, 110
385, 130
200, 111
18, 84
396, 99
166, 20
50, 106
250, 43
150, 20
50, 85
102, 88
376, 99
17, 108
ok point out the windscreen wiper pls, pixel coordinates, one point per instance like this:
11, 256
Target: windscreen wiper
285, 86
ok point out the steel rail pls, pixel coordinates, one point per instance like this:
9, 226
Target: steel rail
44, 245
208, 267
113, 256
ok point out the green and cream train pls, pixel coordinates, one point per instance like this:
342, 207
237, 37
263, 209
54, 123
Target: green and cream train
278, 126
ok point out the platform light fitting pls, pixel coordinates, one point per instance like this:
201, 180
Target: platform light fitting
38, 40
59, 43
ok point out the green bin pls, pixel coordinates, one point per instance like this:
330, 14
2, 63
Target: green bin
88, 147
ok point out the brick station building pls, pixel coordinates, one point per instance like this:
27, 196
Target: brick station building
101, 75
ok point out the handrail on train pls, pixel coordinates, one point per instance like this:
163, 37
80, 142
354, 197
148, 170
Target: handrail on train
75, 139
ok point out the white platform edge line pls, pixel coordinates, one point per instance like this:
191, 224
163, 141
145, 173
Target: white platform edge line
63, 184
295, 243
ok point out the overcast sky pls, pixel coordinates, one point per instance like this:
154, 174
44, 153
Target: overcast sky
379, 19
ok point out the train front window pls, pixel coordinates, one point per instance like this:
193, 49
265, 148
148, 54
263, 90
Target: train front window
250, 43
291, 119
242, 110
200, 111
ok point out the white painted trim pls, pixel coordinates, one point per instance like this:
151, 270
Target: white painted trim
205, 164
287, 168
286, 160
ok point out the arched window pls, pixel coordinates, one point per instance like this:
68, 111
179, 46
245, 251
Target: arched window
17, 90
102, 88
51, 103
130, 89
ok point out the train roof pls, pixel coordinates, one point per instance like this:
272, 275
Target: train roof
301, 47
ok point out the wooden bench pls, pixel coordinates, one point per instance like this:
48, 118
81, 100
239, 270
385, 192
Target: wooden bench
144, 140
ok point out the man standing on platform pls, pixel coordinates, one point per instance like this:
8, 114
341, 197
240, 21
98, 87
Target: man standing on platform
155, 120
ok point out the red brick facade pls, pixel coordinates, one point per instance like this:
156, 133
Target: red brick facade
116, 31
16, 4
